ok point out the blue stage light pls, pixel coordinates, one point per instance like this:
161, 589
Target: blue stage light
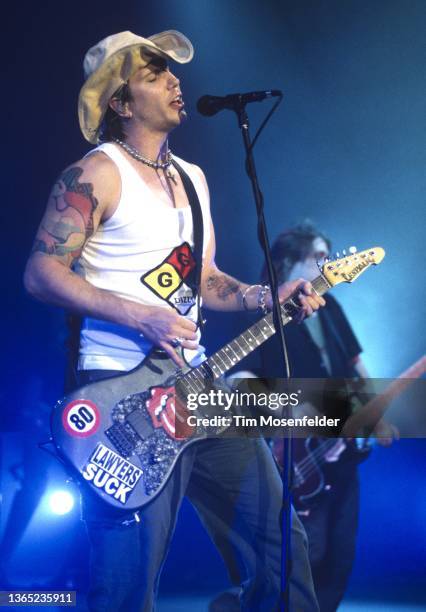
61, 502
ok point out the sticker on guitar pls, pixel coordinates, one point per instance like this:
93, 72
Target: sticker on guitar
110, 472
81, 418
162, 410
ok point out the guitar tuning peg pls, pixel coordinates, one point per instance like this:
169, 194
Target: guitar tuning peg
352, 250
337, 255
344, 252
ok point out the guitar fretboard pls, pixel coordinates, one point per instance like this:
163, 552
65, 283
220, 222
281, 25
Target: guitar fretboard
232, 353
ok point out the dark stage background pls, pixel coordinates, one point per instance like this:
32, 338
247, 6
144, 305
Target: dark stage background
346, 149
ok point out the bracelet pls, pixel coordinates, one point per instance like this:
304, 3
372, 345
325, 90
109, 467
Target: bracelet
261, 303
246, 307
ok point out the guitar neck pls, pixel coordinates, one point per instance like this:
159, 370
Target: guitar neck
232, 353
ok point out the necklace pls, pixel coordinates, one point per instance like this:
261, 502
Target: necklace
160, 165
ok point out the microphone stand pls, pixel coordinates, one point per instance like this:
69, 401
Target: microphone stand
243, 124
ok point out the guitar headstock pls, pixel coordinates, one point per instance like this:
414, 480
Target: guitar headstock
347, 269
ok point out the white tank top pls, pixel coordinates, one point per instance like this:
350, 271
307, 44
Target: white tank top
141, 253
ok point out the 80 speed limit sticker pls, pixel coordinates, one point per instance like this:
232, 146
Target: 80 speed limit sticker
81, 418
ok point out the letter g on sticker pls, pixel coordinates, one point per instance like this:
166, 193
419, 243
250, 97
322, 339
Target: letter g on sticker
165, 279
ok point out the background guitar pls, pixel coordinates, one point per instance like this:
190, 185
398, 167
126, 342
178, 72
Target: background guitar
315, 457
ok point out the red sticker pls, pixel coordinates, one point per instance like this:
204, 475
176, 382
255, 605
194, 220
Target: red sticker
81, 418
182, 259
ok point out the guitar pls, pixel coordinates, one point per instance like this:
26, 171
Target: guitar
313, 461
122, 436
314, 457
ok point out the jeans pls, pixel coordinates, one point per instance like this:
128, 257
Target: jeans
236, 489
332, 529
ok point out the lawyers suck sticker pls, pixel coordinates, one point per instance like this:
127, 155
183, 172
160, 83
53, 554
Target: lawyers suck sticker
110, 472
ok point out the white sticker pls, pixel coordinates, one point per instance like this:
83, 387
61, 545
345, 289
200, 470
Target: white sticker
112, 473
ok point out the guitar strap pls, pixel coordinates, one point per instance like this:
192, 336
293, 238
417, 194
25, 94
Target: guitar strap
72, 345
197, 222
338, 339
74, 322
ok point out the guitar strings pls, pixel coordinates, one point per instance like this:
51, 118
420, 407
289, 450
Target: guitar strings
310, 459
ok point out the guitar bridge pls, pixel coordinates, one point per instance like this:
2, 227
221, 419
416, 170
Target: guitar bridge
126, 435
123, 437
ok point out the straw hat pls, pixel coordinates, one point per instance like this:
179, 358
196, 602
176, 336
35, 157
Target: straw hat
112, 61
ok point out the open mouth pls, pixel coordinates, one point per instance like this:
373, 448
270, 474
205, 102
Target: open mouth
177, 102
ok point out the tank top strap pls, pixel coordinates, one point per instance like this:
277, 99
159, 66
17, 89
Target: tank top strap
128, 174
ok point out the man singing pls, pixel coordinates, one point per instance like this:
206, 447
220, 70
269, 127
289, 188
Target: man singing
116, 223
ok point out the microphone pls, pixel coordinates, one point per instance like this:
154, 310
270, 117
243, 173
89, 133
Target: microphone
210, 105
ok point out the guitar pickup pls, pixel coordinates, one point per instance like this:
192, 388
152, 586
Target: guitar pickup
139, 423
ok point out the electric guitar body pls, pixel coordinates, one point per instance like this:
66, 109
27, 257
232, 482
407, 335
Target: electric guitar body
122, 436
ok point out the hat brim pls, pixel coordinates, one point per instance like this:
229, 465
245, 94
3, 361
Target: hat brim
117, 69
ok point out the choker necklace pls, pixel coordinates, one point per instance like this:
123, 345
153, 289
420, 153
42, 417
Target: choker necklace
164, 165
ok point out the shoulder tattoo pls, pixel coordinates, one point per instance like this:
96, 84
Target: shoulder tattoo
68, 221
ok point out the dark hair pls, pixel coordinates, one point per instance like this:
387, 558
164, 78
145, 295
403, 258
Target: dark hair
291, 246
112, 125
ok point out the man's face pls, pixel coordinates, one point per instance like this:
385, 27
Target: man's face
156, 97
308, 268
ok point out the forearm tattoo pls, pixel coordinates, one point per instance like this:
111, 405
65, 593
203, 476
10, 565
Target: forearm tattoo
69, 218
224, 286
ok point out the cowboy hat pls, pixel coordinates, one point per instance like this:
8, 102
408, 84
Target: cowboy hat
112, 61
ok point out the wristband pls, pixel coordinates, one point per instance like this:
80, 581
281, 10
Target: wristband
261, 303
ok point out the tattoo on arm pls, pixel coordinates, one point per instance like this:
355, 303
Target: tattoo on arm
224, 286
68, 221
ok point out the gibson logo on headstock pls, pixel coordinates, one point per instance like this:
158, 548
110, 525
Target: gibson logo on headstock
355, 271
